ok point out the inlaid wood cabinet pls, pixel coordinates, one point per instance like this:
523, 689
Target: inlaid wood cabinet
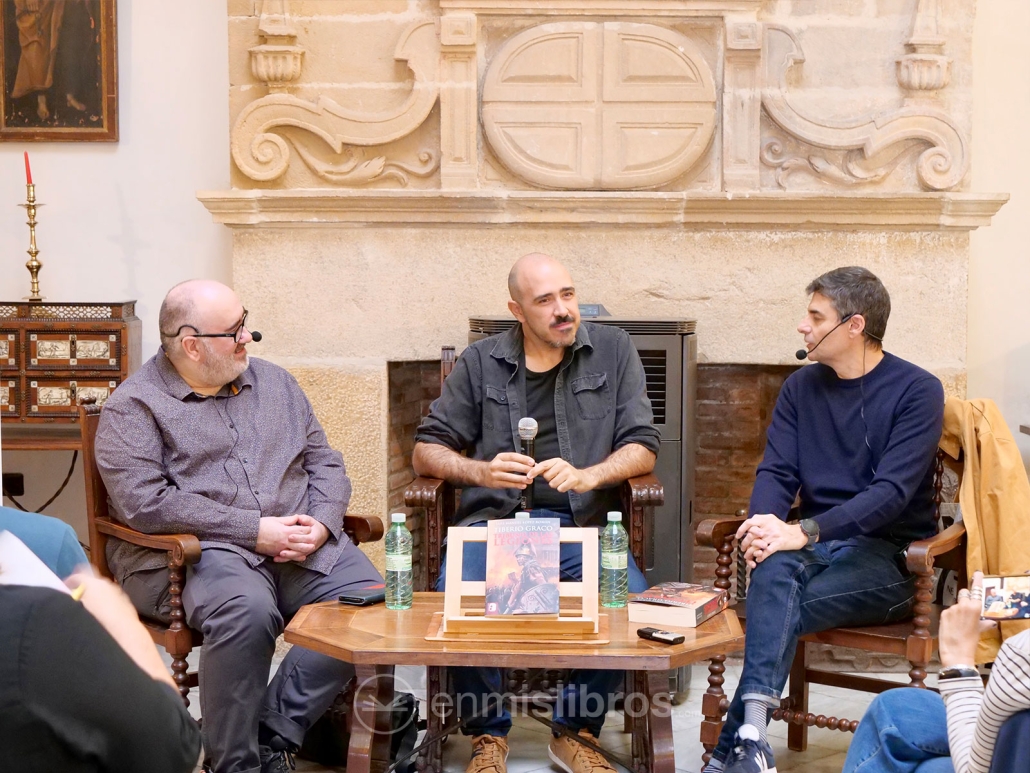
54, 356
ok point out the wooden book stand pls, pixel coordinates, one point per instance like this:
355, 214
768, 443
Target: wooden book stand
463, 617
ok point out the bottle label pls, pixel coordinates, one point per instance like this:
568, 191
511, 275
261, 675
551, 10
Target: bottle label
613, 561
398, 563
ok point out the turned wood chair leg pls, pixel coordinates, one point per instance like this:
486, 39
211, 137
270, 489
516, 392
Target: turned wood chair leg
713, 706
179, 674
797, 698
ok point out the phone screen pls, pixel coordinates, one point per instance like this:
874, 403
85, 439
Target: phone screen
1006, 598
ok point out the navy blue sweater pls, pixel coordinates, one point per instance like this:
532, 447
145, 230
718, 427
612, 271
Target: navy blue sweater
853, 480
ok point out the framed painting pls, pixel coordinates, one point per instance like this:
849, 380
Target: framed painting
59, 72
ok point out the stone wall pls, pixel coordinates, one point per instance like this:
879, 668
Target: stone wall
684, 158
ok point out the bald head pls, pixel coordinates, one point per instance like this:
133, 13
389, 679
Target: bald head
190, 304
528, 269
544, 301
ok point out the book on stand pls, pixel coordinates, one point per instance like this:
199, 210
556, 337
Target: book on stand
522, 564
679, 604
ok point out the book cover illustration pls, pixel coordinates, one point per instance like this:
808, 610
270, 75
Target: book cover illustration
677, 603
679, 594
522, 562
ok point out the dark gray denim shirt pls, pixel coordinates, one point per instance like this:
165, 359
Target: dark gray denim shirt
600, 405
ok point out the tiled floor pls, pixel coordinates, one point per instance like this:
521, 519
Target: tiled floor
528, 739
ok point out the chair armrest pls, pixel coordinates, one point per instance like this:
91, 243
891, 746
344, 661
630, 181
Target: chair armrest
646, 491
363, 528
713, 532
185, 548
920, 555
424, 492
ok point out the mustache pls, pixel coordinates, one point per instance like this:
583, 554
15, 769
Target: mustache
562, 320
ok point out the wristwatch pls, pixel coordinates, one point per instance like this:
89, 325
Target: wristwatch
958, 672
811, 530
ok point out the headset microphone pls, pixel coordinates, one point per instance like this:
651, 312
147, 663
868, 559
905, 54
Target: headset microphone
256, 336
802, 354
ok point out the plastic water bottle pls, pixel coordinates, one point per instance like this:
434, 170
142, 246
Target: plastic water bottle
398, 564
521, 515
614, 562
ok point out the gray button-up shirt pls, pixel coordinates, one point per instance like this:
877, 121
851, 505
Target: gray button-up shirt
175, 462
600, 405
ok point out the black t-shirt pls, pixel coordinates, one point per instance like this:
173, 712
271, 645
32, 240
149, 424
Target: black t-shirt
72, 700
540, 406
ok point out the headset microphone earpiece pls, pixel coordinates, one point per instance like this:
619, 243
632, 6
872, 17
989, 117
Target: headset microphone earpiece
802, 354
256, 336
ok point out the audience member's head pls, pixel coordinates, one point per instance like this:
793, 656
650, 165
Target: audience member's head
544, 300
203, 333
853, 290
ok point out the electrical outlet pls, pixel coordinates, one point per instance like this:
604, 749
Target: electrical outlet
14, 484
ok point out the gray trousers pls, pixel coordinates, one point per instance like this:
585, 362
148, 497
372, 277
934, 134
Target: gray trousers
241, 610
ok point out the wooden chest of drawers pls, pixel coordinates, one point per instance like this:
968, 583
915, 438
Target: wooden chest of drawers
55, 355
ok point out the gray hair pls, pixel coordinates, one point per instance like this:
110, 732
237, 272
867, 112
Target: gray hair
177, 309
856, 290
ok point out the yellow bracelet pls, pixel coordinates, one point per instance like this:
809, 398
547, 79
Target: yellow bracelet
79, 592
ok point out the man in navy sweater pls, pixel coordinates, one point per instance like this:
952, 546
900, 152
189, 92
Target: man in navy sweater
854, 435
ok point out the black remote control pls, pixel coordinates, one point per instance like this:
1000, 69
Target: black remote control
665, 637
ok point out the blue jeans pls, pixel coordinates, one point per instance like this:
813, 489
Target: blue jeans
903, 731
857, 581
584, 700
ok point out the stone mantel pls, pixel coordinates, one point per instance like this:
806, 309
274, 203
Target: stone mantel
313, 207
684, 158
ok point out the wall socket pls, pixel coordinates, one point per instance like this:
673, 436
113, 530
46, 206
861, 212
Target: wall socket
14, 484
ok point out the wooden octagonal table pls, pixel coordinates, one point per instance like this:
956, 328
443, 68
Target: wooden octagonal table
375, 639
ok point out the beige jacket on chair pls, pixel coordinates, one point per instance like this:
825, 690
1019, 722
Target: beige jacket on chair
994, 496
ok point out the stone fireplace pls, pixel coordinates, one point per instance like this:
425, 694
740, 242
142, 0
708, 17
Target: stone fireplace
684, 158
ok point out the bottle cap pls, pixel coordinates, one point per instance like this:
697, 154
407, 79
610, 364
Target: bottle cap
398, 518
521, 514
614, 515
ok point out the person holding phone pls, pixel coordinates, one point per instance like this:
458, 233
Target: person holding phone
967, 728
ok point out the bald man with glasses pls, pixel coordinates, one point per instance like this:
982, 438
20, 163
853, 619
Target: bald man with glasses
206, 441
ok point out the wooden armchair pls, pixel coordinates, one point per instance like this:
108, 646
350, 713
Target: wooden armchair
182, 549
913, 639
438, 499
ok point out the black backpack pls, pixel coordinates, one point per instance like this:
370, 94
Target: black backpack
327, 740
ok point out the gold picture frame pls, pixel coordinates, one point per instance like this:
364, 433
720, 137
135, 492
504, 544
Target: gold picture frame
58, 71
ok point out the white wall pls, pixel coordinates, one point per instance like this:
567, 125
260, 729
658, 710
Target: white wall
121, 219
999, 282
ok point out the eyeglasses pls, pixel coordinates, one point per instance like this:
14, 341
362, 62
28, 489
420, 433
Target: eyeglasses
235, 335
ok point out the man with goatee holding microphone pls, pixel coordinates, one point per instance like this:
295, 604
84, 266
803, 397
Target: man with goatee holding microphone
582, 385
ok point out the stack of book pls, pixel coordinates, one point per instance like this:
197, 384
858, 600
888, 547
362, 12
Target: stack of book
677, 604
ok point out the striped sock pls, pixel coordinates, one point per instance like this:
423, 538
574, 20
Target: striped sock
756, 713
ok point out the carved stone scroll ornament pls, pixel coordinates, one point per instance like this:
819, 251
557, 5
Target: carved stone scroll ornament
876, 145
261, 152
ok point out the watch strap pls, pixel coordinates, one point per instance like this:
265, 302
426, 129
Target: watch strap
958, 672
810, 529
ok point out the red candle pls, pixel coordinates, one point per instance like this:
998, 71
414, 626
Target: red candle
28, 170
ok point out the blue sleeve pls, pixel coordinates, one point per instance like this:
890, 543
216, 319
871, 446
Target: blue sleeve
910, 450
778, 477
71, 554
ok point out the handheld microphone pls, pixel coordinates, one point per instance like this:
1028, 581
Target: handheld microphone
802, 354
254, 334
527, 434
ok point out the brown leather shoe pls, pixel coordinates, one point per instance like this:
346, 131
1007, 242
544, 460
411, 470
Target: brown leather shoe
489, 753
574, 757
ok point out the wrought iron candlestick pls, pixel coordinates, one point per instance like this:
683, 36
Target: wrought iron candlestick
33, 265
